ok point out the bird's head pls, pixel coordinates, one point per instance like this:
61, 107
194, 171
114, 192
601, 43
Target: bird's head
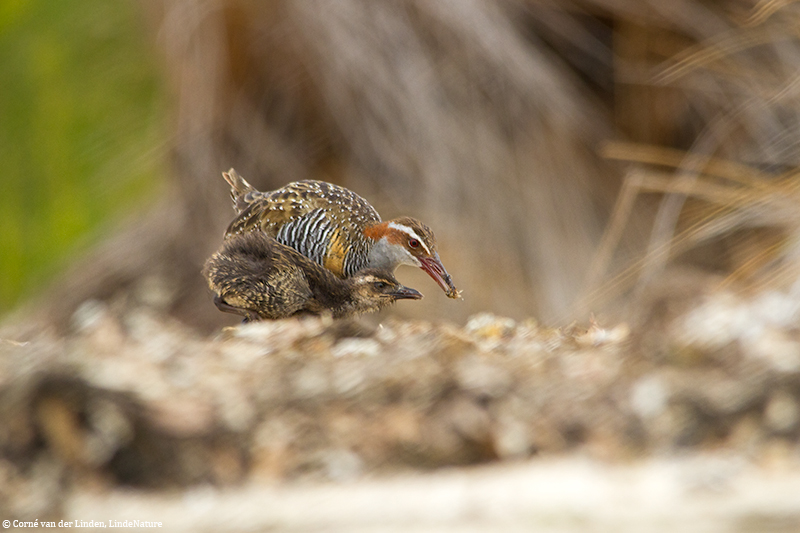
374, 289
407, 241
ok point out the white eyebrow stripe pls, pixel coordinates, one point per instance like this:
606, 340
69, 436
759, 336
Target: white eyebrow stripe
411, 233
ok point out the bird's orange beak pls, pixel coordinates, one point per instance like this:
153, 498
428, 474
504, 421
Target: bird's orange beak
435, 269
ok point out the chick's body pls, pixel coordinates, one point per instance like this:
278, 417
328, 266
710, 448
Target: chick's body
256, 276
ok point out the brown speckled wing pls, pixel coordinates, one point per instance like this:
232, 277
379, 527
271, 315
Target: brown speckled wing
321, 220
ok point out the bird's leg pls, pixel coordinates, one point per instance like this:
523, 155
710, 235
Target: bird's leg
249, 316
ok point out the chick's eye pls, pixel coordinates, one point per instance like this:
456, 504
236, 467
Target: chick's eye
414, 243
380, 285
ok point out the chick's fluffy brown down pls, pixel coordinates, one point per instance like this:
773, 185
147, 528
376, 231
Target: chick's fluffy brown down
256, 276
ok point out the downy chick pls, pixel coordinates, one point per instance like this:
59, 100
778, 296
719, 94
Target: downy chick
256, 276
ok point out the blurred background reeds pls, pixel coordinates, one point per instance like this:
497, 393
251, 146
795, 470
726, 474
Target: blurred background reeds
571, 156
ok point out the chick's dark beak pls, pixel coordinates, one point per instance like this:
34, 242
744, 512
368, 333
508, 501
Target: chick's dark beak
407, 293
435, 269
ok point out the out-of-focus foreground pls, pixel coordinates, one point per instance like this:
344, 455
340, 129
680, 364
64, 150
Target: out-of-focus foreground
632, 159
318, 425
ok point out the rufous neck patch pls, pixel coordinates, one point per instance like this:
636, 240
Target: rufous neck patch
377, 231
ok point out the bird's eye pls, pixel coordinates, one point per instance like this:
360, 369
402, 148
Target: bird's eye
414, 243
380, 285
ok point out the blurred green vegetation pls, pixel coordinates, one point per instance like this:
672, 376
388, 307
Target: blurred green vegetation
82, 130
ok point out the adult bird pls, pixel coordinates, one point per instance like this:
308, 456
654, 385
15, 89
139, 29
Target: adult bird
336, 228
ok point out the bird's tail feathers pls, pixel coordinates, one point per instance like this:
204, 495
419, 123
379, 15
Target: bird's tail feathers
239, 186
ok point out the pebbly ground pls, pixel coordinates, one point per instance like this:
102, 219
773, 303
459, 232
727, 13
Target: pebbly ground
688, 420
